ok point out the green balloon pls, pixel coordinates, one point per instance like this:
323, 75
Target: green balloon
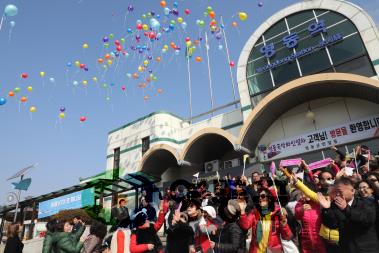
201, 23
10, 10
105, 85
17, 89
172, 22
122, 40
106, 45
111, 36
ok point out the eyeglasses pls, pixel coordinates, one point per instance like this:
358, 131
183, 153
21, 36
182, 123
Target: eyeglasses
262, 196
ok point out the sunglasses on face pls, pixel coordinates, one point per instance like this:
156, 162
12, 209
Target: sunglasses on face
262, 196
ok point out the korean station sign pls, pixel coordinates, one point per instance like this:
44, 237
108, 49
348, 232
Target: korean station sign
321, 139
291, 41
74, 200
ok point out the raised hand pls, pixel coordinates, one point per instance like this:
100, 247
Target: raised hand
325, 203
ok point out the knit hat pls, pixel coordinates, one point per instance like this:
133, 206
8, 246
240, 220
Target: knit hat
210, 210
232, 209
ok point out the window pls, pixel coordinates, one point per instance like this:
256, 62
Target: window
294, 47
145, 144
116, 163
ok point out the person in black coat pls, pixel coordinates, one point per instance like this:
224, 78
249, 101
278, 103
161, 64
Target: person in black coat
14, 244
231, 238
353, 216
179, 234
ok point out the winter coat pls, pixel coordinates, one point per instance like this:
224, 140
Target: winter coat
136, 244
231, 239
13, 245
356, 224
92, 244
311, 223
64, 242
276, 230
48, 243
121, 241
179, 237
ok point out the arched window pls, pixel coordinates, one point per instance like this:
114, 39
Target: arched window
305, 43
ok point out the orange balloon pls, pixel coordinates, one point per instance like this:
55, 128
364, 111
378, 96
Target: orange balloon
234, 24
11, 93
142, 85
163, 3
146, 98
107, 56
100, 60
159, 91
158, 59
23, 99
213, 23
148, 79
212, 14
172, 44
198, 59
197, 42
135, 75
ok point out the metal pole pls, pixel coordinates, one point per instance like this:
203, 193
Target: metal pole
228, 55
18, 201
189, 87
209, 70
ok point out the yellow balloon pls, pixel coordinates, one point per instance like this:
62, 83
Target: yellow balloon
165, 47
180, 20
242, 16
85, 45
77, 63
42, 74
94, 79
188, 43
145, 62
33, 109
62, 115
140, 68
109, 62
84, 82
30, 88
145, 27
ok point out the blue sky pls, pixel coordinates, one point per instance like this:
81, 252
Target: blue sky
48, 34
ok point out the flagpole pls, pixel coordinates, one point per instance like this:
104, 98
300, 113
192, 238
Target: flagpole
209, 71
228, 55
189, 87
277, 195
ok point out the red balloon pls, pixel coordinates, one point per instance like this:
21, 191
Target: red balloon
82, 119
24, 75
117, 42
152, 35
139, 26
119, 48
82, 65
145, 33
187, 11
231, 64
188, 39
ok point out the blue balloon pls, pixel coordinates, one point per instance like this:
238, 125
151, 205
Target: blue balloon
176, 4
113, 84
12, 23
177, 52
184, 25
129, 75
220, 47
166, 11
69, 64
105, 39
130, 30
75, 83
10, 10
154, 24
158, 16
3, 101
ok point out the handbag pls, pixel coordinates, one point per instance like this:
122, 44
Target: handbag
288, 246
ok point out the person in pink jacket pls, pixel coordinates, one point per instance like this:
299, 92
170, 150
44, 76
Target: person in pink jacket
267, 222
309, 213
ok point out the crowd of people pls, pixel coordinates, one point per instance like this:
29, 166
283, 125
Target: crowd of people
333, 209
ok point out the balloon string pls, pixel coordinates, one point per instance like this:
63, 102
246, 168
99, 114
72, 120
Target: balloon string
1, 22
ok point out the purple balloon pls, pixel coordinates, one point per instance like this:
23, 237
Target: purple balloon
149, 57
130, 8
62, 109
148, 49
150, 71
132, 47
175, 12
105, 39
138, 37
260, 4
152, 13
218, 36
86, 69
140, 50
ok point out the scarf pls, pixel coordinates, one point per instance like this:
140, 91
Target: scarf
259, 232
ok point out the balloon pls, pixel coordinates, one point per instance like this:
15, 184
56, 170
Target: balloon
33, 109
62, 115
163, 4
146, 98
82, 65
119, 48
85, 45
12, 23
209, 9
106, 45
201, 23
231, 64
166, 11
187, 11
100, 60
260, 4
242, 16
17, 89
135, 75
10, 10
218, 36
105, 85
159, 90
42, 74
145, 62
75, 83
129, 75
3, 101
85, 82
220, 47
111, 36
113, 84
77, 63
24, 75
158, 59
122, 40
94, 79
130, 30
180, 20
82, 119
234, 24
105, 39
154, 24
212, 14
152, 35
198, 59
130, 8
176, 4
107, 56
52, 79
109, 62
62, 109
184, 25
123, 87
107, 98
172, 22
145, 27
175, 12
11, 94
30, 88
23, 99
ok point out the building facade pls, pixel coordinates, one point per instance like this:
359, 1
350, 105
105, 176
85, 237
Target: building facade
307, 80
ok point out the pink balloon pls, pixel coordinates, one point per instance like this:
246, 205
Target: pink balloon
123, 87
82, 119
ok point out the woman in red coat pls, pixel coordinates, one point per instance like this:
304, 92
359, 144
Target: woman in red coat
309, 213
267, 223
